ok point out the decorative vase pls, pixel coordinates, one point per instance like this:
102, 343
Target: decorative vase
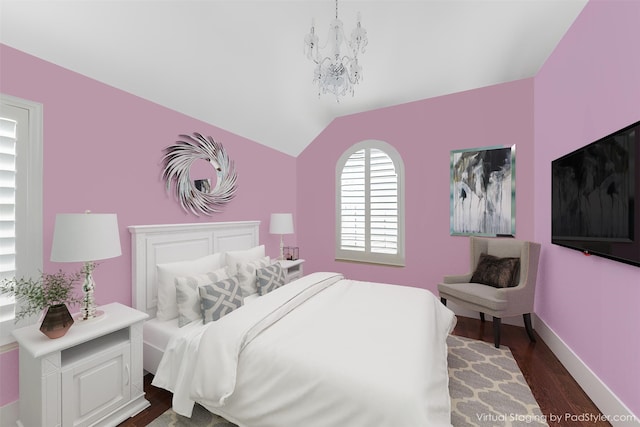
57, 321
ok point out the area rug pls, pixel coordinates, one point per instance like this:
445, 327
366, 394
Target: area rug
486, 386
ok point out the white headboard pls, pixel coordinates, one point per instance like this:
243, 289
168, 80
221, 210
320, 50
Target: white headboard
158, 244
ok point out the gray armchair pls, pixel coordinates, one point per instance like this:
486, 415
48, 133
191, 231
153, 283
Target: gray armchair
513, 300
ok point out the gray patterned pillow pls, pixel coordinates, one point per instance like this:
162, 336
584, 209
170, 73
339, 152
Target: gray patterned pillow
247, 274
188, 297
270, 278
219, 299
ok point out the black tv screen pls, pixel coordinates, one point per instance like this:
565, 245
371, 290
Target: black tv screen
595, 191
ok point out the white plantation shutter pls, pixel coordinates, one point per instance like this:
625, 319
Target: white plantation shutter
369, 204
383, 198
7, 198
20, 200
353, 205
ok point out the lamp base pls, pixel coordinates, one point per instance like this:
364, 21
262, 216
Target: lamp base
281, 257
88, 310
98, 315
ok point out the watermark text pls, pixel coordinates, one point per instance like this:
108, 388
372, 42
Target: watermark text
585, 417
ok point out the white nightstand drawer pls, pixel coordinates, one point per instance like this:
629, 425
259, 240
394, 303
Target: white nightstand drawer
95, 386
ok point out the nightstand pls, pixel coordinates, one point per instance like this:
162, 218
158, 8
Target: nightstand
92, 376
292, 269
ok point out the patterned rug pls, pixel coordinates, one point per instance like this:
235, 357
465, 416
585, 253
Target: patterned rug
486, 386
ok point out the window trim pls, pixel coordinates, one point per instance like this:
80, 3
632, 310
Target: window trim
398, 259
29, 206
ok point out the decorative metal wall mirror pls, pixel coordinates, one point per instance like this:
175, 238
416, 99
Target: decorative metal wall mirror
200, 195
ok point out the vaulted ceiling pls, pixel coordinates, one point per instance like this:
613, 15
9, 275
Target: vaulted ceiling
239, 64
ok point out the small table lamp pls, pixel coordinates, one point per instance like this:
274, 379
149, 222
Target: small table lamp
86, 237
281, 223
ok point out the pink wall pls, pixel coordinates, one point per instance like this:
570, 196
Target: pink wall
9, 375
424, 133
587, 89
102, 151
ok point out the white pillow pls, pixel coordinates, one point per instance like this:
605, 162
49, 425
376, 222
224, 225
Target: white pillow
167, 307
247, 274
236, 257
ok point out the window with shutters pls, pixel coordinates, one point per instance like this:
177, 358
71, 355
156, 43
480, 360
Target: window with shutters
370, 204
20, 199
7, 198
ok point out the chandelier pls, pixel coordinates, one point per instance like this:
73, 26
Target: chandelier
335, 71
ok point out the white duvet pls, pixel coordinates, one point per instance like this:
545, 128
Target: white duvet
321, 351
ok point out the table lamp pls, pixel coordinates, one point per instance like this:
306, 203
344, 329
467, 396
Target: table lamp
86, 237
281, 223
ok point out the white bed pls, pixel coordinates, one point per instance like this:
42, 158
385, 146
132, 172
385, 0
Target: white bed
320, 351
158, 244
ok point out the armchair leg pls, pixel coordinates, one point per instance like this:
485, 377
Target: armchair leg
443, 301
496, 331
482, 317
527, 326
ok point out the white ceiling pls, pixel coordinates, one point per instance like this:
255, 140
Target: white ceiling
239, 64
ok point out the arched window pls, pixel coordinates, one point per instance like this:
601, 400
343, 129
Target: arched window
370, 204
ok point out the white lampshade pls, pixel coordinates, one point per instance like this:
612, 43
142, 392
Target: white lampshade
281, 223
85, 237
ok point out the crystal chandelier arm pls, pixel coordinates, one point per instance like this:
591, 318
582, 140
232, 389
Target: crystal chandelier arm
311, 48
355, 70
359, 39
337, 38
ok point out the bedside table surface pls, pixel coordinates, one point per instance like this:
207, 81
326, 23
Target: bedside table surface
287, 263
116, 316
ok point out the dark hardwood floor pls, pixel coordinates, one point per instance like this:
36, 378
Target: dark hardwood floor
160, 400
557, 393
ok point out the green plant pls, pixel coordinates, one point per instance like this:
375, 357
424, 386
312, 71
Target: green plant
34, 295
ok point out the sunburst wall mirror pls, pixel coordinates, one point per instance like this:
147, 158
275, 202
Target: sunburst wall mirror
199, 196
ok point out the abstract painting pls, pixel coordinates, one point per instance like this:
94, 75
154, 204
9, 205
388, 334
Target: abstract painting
483, 191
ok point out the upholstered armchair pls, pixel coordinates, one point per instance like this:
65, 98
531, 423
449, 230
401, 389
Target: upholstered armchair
498, 284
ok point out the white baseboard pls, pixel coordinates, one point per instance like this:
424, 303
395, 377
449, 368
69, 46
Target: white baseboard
9, 414
616, 412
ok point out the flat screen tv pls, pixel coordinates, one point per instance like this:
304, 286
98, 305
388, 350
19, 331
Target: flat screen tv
595, 197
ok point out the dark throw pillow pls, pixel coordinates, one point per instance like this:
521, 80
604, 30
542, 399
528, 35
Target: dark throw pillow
497, 272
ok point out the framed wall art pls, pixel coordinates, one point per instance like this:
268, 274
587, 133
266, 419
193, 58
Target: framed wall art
483, 197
